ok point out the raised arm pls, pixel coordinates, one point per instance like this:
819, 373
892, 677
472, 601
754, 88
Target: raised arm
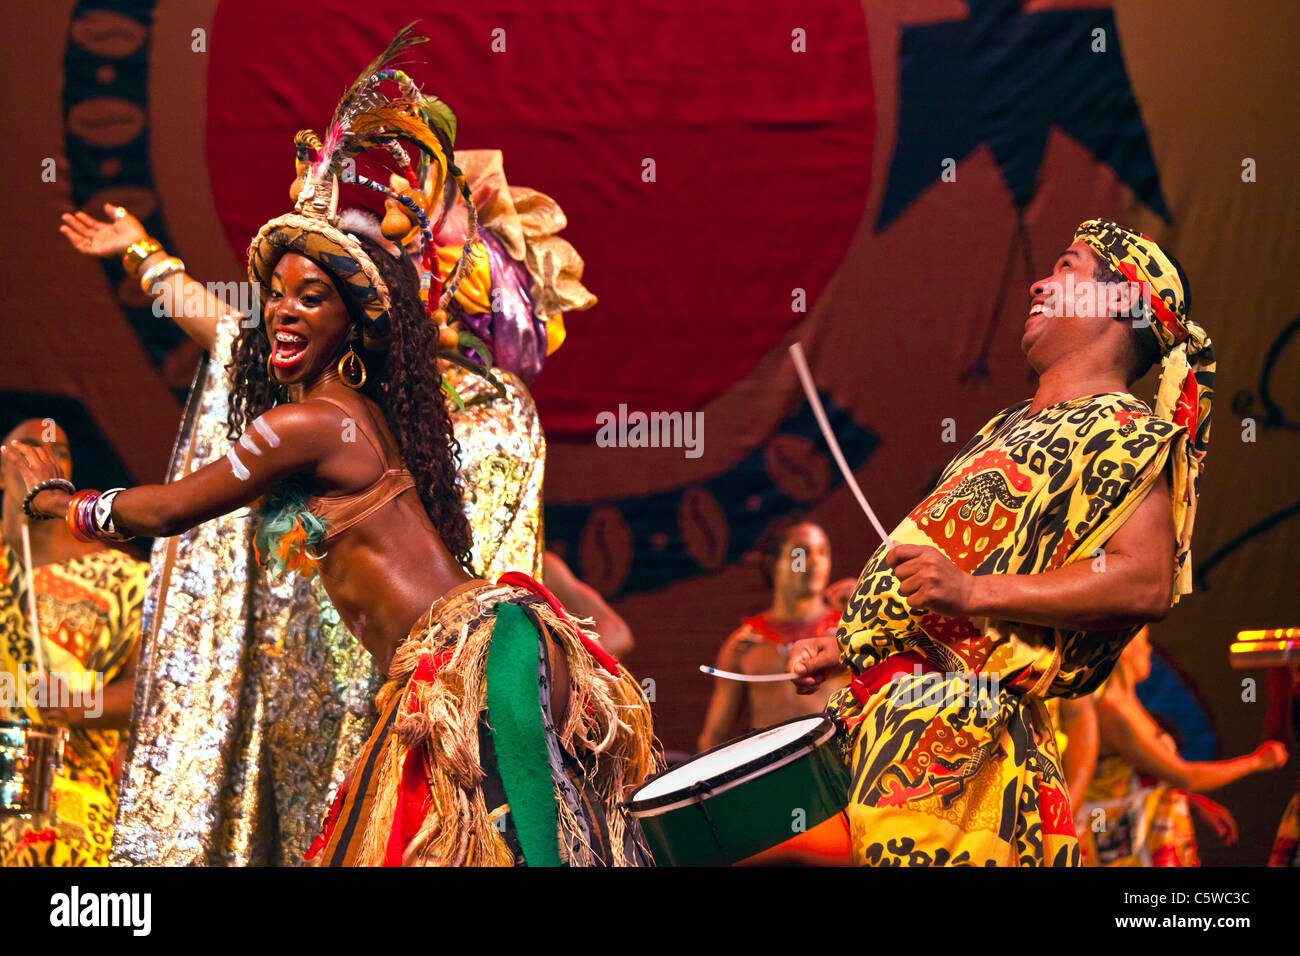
189, 303
285, 440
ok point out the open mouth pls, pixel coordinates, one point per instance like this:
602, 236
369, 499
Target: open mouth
289, 348
1038, 310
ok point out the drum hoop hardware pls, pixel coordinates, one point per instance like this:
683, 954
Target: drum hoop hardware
701, 791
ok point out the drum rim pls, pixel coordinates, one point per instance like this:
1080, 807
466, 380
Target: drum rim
804, 744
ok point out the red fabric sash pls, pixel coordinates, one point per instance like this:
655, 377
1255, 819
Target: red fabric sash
520, 580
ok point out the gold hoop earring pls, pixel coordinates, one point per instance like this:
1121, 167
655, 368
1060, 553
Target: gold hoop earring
270, 368
349, 359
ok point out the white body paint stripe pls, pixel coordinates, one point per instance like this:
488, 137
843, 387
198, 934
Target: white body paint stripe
267, 432
246, 440
241, 472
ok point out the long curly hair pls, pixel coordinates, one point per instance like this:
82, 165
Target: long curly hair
408, 392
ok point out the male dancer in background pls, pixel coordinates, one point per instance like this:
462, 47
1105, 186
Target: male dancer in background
796, 564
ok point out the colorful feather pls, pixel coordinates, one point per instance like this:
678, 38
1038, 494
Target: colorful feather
287, 533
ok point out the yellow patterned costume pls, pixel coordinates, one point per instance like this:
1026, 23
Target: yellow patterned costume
89, 609
1136, 820
946, 770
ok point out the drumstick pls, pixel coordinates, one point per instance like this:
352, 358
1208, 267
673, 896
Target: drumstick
750, 678
34, 626
806, 380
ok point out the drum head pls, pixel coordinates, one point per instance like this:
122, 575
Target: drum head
733, 761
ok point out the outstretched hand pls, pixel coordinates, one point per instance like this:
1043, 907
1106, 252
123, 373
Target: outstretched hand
105, 239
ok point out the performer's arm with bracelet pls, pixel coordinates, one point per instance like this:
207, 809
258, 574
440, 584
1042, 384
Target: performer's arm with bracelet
284, 440
189, 303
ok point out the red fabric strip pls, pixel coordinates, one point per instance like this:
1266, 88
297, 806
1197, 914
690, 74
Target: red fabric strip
866, 684
520, 580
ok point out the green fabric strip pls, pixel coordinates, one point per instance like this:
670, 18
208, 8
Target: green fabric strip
515, 716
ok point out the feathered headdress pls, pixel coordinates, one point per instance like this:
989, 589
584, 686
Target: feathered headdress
419, 132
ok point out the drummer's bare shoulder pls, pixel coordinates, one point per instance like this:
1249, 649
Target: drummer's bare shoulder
739, 643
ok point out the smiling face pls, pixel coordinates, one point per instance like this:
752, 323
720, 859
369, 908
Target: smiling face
1069, 311
306, 319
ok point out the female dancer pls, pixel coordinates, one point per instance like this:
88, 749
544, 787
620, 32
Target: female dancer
347, 448
178, 809
1137, 807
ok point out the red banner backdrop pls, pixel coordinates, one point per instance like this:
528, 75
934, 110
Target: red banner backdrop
738, 175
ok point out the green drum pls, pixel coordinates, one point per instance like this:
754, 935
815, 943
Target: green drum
744, 796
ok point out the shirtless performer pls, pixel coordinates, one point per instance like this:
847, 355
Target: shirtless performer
797, 565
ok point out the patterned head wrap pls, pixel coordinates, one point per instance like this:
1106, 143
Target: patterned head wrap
1187, 370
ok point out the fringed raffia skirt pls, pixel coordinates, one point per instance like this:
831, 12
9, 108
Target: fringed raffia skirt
468, 766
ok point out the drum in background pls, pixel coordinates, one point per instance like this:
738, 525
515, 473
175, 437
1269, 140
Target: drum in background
30, 757
744, 796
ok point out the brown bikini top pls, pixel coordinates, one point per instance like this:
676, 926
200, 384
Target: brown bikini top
340, 512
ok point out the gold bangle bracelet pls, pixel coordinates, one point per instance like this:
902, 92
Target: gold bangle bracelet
137, 252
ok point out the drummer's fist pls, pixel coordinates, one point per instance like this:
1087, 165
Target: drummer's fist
812, 660
931, 582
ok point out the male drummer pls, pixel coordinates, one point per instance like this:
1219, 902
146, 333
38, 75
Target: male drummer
1062, 527
796, 564
88, 601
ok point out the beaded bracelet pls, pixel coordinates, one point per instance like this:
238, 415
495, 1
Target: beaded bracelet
45, 485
